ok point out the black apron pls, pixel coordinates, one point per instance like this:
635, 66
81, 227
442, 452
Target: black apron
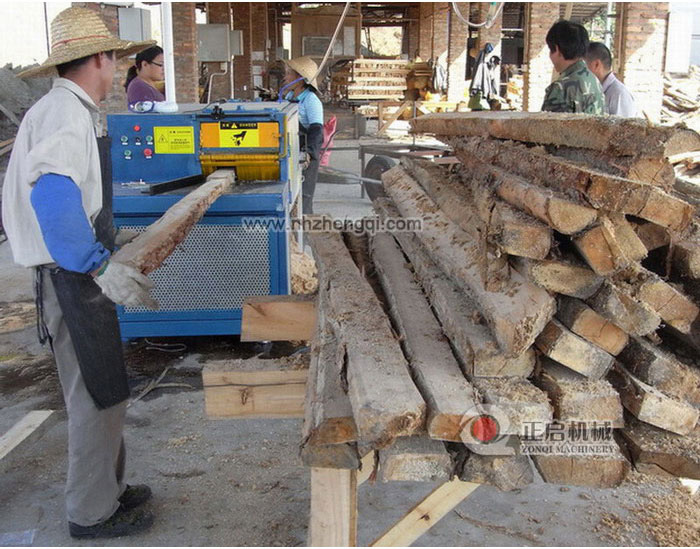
90, 316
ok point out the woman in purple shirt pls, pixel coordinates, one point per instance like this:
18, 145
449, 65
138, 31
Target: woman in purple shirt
142, 76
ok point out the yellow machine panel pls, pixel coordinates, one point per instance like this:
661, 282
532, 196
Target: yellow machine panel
228, 134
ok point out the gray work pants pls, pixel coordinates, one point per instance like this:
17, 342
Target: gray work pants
96, 452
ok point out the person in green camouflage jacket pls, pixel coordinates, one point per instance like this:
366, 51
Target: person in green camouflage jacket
577, 89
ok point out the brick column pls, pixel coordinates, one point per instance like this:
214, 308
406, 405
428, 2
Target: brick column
258, 58
413, 31
425, 30
219, 13
491, 35
539, 17
440, 38
241, 63
457, 53
185, 44
641, 39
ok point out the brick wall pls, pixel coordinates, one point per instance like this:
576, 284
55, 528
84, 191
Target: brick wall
219, 13
540, 16
425, 29
491, 35
185, 45
413, 31
641, 39
241, 63
259, 52
440, 38
457, 54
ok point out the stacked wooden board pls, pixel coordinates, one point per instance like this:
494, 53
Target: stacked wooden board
527, 296
371, 80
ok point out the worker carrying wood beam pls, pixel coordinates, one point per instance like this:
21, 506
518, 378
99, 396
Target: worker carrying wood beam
52, 196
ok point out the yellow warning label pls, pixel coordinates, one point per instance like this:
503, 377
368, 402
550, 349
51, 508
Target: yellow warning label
239, 134
173, 139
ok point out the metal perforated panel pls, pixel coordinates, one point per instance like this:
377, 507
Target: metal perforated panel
216, 267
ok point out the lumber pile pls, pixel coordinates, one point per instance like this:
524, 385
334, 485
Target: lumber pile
371, 80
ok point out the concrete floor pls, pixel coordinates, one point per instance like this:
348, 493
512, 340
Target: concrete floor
240, 482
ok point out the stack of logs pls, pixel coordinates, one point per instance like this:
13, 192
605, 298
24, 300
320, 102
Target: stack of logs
555, 278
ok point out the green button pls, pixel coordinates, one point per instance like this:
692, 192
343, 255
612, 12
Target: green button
125, 139
127, 152
149, 139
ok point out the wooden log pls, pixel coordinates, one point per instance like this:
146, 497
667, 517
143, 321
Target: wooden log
686, 258
601, 190
573, 468
619, 136
22, 434
516, 313
148, 250
331, 456
661, 370
477, 350
518, 400
559, 276
673, 454
385, 402
653, 236
477, 210
253, 388
619, 307
585, 322
611, 245
574, 352
504, 472
278, 318
417, 459
578, 400
652, 406
449, 396
674, 307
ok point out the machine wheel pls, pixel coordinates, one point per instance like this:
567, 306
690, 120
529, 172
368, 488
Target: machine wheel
377, 165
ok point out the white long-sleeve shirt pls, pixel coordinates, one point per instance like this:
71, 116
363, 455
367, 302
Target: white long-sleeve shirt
618, 99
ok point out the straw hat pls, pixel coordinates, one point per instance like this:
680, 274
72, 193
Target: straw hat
305, 67
79, 32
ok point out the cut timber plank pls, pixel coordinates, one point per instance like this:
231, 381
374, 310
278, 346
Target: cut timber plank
27, 430
619, 307
605, 470
673, 306
611, 245
517, 312
477, 210
674, 454
262, 389
504, 472
385, 402
417, 459
620, 136
652, 406
425, 514
565, 347
653, 236
520, 401
393, 118
333, 515
476, 348
559, 276
278, 318
601, 190
661, 370
585, 322
450, 398
577, 399
148, 250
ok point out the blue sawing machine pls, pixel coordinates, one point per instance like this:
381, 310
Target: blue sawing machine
240, 248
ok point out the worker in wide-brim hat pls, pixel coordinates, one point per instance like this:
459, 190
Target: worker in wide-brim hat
300, 85
51, 200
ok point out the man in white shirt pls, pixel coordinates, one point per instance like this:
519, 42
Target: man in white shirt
618, 99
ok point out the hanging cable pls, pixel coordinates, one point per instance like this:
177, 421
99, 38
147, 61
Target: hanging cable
489, 20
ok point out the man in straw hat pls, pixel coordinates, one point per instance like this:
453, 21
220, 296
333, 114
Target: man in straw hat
300, 85
52, 196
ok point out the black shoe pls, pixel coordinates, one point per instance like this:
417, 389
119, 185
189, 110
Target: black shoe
134, 496
122, 523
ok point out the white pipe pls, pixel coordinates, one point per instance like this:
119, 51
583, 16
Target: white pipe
166, 15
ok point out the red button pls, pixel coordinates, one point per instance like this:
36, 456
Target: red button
147, 152
137, 128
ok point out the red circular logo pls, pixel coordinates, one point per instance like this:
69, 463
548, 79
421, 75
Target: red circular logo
485, 428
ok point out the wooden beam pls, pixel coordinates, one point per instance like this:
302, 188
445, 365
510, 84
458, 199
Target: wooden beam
618, 306
333, 515
450, 398
148, 250
653, 236
425, 514
393, 118
504, 472
253, 388
517, 312
23, 433
585, 322
331, 456
278, 318
417, 459
385, 401
474, 345
559, 276
621, 136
